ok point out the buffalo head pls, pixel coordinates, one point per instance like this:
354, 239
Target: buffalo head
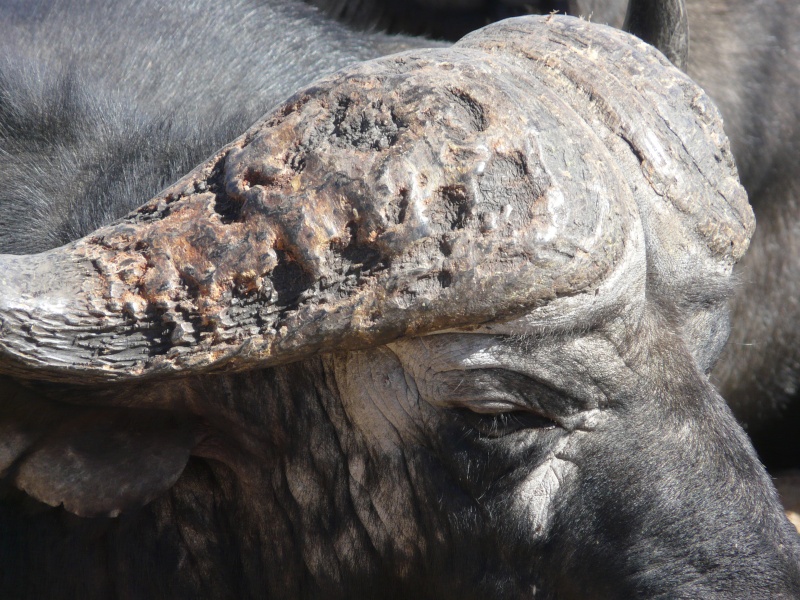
438, 325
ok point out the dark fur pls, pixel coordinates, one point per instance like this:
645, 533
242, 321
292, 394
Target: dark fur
88, 133
453, 19
436, 20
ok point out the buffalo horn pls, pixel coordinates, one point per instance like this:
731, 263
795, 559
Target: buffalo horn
430, 190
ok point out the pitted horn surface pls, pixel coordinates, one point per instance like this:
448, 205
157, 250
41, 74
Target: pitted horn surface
419, 192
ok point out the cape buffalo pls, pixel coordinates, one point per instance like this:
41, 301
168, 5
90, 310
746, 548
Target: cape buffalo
435, 326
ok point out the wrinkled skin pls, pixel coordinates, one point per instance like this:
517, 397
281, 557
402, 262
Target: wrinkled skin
538, 459
534, 422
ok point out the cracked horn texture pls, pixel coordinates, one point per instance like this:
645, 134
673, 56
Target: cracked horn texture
415, 193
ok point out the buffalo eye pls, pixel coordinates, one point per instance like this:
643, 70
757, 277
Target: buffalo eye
500, 424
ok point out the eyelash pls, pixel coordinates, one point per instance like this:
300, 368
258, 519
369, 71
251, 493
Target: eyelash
497, 425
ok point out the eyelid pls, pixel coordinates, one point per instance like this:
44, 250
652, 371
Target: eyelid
491, 407
483, 399
502, 424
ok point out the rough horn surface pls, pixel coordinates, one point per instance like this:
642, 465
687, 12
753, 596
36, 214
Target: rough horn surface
419, 192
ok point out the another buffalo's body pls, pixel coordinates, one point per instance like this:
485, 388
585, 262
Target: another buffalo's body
747, 56
551, 434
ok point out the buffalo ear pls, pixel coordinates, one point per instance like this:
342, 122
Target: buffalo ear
93, 461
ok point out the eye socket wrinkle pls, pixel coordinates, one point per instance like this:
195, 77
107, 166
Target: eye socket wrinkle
491, 390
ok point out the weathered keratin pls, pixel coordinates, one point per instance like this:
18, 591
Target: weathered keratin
415, 193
